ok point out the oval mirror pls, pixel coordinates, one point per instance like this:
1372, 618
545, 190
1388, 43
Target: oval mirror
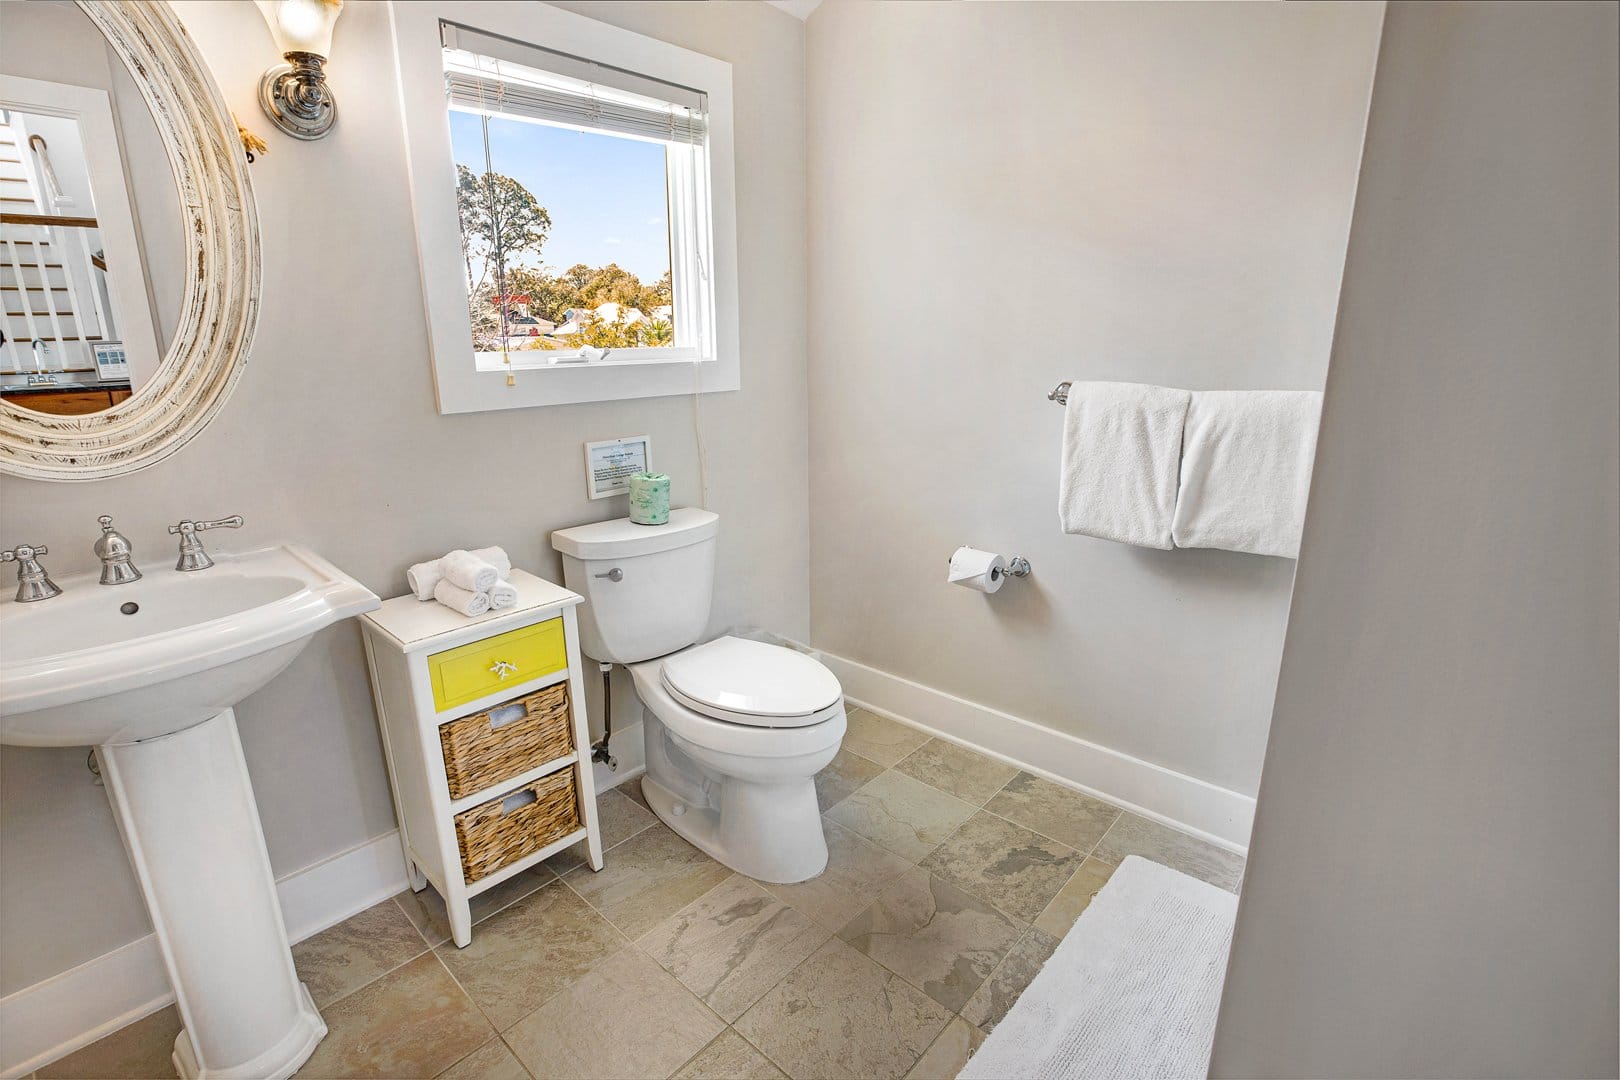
128, 240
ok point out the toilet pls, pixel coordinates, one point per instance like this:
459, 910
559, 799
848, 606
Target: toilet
735, 729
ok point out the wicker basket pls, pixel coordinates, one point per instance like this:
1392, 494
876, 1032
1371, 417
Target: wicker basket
506, 829
485, 748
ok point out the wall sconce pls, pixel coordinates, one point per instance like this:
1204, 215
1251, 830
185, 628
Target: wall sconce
295, 95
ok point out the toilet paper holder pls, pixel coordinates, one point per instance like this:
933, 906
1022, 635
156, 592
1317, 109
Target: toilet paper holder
1017, 566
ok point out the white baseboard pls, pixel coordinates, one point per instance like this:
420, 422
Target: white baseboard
324, 894
53, 1018
1195, 806
41, 1023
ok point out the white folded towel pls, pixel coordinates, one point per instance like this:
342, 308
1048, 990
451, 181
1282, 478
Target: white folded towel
464, 601
425, 575
467, 571
1121, 450
503, 595
1246, 470
496, 557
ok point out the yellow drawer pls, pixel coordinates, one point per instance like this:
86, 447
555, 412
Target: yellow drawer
469, 672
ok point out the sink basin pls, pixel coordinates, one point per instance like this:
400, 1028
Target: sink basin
77, 670
150, 673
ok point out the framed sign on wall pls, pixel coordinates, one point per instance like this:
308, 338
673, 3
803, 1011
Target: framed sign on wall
610, 463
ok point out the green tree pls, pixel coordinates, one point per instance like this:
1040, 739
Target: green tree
501, 222
657, 333
577, 277
657, 295
612, 284
602, 334
549, 296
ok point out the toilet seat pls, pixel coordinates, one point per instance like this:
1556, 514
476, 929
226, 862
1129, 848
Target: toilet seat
752, 683
715, 733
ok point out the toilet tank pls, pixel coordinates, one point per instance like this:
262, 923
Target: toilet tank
647, 588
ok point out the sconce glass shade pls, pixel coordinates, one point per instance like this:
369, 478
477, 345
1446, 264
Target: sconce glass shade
302, 26
295, 95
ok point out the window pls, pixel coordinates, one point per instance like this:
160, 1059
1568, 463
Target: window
593, 247
581, 205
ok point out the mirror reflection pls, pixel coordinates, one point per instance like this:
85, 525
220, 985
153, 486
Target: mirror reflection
91, 247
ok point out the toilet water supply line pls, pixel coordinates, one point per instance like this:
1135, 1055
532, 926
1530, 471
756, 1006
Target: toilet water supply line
599, 750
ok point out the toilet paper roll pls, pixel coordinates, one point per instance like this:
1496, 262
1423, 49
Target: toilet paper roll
649, 498
982, 571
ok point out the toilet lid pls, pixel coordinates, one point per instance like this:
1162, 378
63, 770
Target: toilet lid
751, 682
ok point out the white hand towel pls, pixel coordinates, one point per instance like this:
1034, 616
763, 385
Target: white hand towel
467, 571
1121, 449
503, 595
423, 577
1246, 470
464, 601
496, 557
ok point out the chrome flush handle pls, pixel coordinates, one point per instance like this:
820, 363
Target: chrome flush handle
614, 574
501, 669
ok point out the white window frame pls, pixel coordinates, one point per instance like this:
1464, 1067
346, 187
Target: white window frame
464, 382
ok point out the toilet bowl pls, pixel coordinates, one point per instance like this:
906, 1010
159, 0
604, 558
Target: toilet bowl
736, 731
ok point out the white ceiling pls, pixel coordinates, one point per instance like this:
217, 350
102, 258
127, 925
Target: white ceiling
799, 9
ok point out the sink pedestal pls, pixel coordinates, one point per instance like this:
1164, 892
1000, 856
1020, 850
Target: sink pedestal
185, 807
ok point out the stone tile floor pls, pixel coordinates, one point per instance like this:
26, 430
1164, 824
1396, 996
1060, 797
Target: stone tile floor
951, 880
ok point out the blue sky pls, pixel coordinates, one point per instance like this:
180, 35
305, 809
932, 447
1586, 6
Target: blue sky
605, 194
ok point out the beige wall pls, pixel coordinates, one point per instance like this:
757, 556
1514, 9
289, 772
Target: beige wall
1432, 886
1006, 195
331, 440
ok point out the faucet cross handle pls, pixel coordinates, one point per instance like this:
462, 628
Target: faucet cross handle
192, 555
23, 552
33, 583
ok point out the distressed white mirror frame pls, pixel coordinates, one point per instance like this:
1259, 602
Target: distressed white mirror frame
459, 385
221, 301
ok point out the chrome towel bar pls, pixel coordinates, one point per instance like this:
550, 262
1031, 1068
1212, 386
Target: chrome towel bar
1060, 393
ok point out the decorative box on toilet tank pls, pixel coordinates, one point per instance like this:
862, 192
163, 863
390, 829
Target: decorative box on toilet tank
484, 728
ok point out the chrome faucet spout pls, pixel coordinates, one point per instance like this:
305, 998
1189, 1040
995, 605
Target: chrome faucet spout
115, 552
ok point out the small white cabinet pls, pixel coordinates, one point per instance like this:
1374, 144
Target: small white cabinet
484, 728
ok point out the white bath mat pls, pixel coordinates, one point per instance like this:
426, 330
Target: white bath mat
1132, 991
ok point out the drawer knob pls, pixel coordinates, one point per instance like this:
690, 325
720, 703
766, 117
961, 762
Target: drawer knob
502, 668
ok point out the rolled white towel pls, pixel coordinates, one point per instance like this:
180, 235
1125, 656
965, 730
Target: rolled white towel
463, 601
503, 595
467, 571
423, 577
496, 557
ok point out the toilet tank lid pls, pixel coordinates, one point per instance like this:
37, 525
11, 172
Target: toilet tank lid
622, 538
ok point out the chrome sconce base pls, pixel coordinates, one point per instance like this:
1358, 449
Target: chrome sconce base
297, 99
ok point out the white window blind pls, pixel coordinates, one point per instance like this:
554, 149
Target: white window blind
493, 75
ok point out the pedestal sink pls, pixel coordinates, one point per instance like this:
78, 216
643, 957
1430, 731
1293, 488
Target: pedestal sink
148, 673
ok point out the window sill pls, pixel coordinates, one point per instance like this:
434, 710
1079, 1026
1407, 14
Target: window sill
600, 380
492, 363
